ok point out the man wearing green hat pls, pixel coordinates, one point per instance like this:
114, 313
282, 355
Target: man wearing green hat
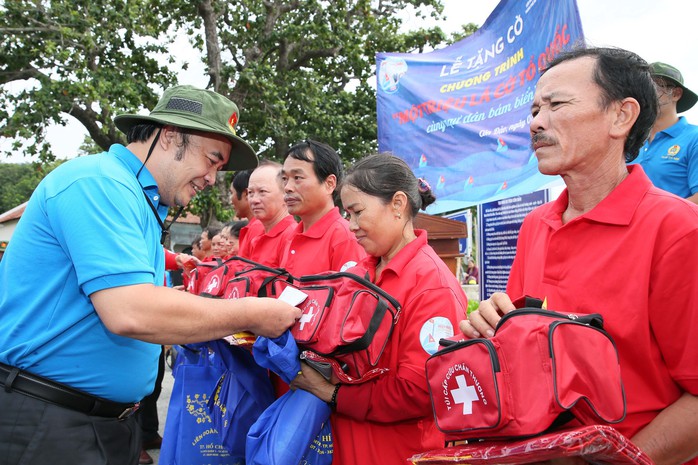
83, 311
670, 156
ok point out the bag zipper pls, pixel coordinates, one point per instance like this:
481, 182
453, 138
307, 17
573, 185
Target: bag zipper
450, 346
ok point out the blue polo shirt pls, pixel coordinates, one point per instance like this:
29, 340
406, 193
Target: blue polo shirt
671, 159
87, 227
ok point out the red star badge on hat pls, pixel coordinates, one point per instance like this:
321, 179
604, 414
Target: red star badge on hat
232, 121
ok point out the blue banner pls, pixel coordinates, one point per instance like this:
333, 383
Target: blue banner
460, 116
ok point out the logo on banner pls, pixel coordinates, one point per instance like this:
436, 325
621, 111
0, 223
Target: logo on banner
390, 72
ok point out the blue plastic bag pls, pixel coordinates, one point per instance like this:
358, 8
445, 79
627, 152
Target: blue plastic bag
284, 433
190, 437
280, 355
320, 451
296, 426
241, 395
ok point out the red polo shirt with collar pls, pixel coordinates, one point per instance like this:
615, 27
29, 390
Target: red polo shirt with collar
633, 259
389, 419
268, 248
327, 245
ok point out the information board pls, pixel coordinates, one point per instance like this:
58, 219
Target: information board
499, 224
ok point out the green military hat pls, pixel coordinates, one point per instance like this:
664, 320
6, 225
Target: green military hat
672, 74
201, 110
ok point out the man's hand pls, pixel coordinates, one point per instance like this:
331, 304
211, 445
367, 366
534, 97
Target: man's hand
270, 317
162, 315
310, 380
483, 320
182, 258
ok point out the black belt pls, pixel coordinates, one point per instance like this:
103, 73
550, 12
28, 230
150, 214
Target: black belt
56, 393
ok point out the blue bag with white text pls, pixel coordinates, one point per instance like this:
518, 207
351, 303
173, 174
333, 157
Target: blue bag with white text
242, 393
190, 437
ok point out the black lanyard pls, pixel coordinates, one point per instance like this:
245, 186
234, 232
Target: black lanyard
165, 228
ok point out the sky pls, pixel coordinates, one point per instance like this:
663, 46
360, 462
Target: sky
656, 30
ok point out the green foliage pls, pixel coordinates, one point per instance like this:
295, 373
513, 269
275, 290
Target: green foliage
305, 69
211, 203
87, 59
473, 305
296, 68
18, 181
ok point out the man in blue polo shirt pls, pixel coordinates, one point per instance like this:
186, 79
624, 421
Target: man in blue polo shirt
83, 311
670, 156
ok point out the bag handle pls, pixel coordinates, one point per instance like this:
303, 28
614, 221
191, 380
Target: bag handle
259, 266
592, 319
256, 266
364, 282
263, 288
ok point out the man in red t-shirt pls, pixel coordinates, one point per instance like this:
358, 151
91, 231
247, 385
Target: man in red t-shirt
613, 244
241, 203
266, 197
322, 240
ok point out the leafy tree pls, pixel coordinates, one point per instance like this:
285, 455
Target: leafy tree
213, 204
302, 69
87, 59
18, 181
296, 68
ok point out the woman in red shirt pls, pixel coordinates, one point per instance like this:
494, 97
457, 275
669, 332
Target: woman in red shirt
389, 419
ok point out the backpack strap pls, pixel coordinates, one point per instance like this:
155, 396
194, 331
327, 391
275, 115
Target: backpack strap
364, 282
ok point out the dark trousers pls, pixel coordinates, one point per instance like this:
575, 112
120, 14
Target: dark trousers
34, 432
147, 414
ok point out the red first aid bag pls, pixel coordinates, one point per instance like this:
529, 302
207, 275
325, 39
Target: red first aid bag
235, 278
252, 279
213, 283
540, 369
347, 318
198, 276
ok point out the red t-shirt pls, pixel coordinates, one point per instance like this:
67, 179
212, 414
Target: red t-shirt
268, 248
633, 259
253, 229
389, 419
327, 245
